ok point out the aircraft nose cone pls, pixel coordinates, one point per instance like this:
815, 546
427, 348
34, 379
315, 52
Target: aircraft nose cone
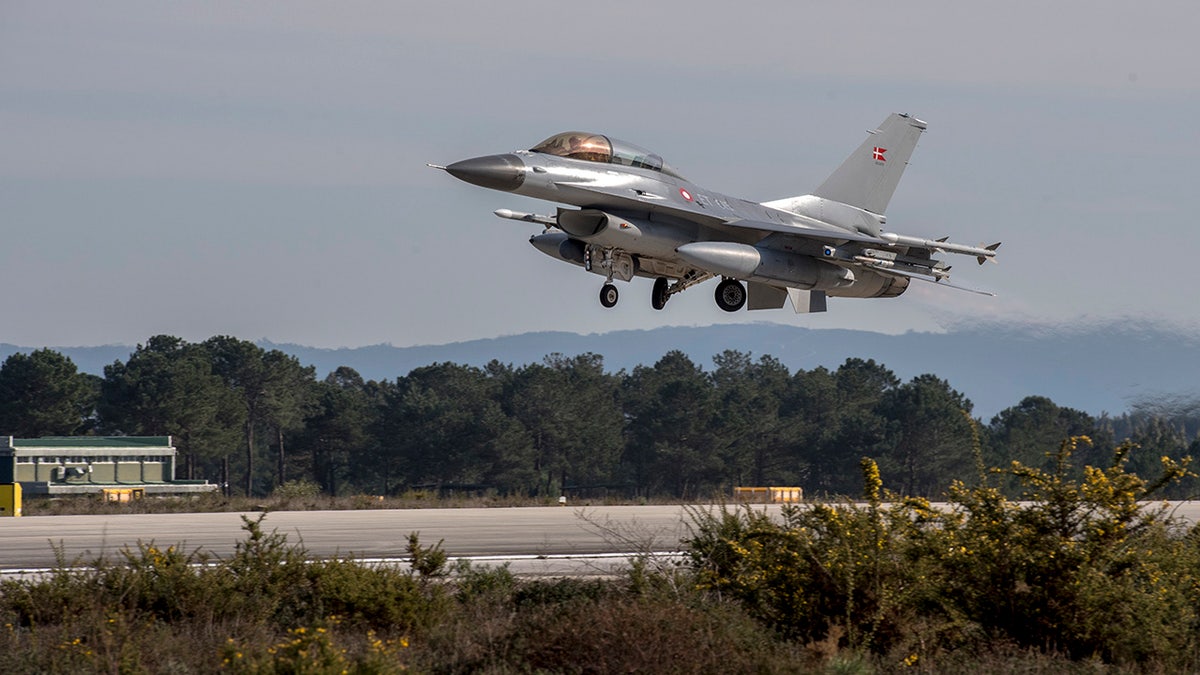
498, 172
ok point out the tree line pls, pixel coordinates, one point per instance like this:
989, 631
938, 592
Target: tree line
253, 419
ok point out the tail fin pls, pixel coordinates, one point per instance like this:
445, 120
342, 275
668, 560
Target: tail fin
868, 177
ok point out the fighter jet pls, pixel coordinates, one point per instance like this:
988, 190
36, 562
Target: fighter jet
639, 217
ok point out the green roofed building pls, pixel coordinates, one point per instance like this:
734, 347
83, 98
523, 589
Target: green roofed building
88, 464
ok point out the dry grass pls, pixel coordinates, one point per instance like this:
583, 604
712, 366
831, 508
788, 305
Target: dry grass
216, 503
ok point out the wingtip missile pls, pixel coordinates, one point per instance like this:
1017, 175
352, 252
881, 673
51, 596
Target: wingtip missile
984, 258
943, 245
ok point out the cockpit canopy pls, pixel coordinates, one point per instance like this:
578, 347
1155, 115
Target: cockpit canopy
602, 149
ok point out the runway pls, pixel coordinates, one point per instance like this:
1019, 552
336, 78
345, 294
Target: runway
498, 534
534, 540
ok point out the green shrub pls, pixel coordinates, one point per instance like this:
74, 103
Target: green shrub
426, 561
297, 489
317, 650
842, 565
474, 583
381, 598
620, 634
559, 592
1081, 566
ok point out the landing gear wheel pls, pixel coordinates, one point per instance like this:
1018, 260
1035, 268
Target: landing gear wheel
658, 296
608, 295
731, 295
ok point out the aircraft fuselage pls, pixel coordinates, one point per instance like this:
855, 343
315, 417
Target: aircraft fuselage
637, 216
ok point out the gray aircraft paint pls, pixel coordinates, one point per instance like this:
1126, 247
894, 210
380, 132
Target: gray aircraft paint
638, 216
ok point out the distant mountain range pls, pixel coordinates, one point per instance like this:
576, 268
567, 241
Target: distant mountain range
1095, 369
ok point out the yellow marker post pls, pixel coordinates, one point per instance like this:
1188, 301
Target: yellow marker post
10, 499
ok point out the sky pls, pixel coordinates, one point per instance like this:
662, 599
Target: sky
258, 169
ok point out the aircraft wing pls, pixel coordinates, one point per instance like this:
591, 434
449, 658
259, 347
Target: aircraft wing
827, 234
603, 197
640, 200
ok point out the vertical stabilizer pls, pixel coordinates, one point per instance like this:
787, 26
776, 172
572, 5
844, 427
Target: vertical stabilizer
868, 177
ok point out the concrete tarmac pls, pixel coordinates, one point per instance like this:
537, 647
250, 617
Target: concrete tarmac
30, 542
497, 534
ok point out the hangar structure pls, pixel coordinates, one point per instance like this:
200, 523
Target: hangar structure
72, 465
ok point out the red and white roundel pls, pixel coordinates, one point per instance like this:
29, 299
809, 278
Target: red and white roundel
685, 194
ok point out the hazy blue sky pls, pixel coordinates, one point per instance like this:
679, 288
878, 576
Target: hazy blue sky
258, 168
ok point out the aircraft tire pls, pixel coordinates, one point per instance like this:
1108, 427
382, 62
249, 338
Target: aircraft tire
731, 295
659, 296
609, 295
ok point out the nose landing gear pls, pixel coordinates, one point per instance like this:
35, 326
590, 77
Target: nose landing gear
609, 295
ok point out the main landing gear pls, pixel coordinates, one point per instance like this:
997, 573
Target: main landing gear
731, 295
658, 296
660, 293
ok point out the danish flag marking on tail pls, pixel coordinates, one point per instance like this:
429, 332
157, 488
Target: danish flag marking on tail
877, 154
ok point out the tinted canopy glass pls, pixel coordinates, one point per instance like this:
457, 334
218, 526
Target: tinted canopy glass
602, 149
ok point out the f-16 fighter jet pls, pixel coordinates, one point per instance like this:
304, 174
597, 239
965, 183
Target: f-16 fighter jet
639, 217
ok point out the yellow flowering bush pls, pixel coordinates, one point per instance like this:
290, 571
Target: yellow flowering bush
1083, 566
316, 651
